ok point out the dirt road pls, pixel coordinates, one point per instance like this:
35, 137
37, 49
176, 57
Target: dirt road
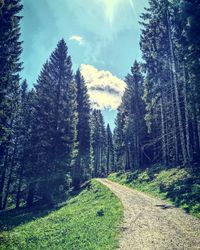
150, 223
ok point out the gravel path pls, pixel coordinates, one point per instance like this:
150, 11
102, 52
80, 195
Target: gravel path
151, 224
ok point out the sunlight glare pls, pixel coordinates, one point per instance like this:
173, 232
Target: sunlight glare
111, 7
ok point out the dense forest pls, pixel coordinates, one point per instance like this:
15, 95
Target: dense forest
158, 121
52, 141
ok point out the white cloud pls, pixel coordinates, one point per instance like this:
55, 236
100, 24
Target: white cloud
78, 39
105, 90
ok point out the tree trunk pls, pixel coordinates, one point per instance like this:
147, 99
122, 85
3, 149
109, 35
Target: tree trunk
3, 178
196, 144
173, 113
11, 163
175, 82
30, 197
186, 115
19, 186
8, 187
164, 156
108, 159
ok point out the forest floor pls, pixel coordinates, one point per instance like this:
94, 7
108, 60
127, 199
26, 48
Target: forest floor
151, 223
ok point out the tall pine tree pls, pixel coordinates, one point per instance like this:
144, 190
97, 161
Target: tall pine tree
55, 125
10, 51
81, 170
98, 144
110, 164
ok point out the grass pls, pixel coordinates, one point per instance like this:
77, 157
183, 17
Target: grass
180, 186
90, 221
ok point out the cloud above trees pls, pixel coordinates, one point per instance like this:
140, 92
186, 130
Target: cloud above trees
105, 89
77, 38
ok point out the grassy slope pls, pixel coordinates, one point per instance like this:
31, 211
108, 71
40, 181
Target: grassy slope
177, 185
89, 221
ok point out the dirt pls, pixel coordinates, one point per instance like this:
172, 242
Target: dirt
150, 223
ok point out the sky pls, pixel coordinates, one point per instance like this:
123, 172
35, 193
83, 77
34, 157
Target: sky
101, 35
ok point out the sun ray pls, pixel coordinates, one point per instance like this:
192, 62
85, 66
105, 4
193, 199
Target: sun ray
133, 8
110, 8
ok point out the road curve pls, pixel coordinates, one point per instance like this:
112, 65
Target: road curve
150, 223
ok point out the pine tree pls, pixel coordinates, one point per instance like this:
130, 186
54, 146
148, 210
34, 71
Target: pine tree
55, 123
10, 51
98, 144
154, 53
19, 156
162, 88
81, 171
134, 110
119, 142
189, 16
130, 131
171, 83
24, 132
109, 151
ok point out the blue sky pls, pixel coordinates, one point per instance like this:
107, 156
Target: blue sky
109, 29
102, 33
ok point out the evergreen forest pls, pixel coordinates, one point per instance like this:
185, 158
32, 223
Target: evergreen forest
53, 142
